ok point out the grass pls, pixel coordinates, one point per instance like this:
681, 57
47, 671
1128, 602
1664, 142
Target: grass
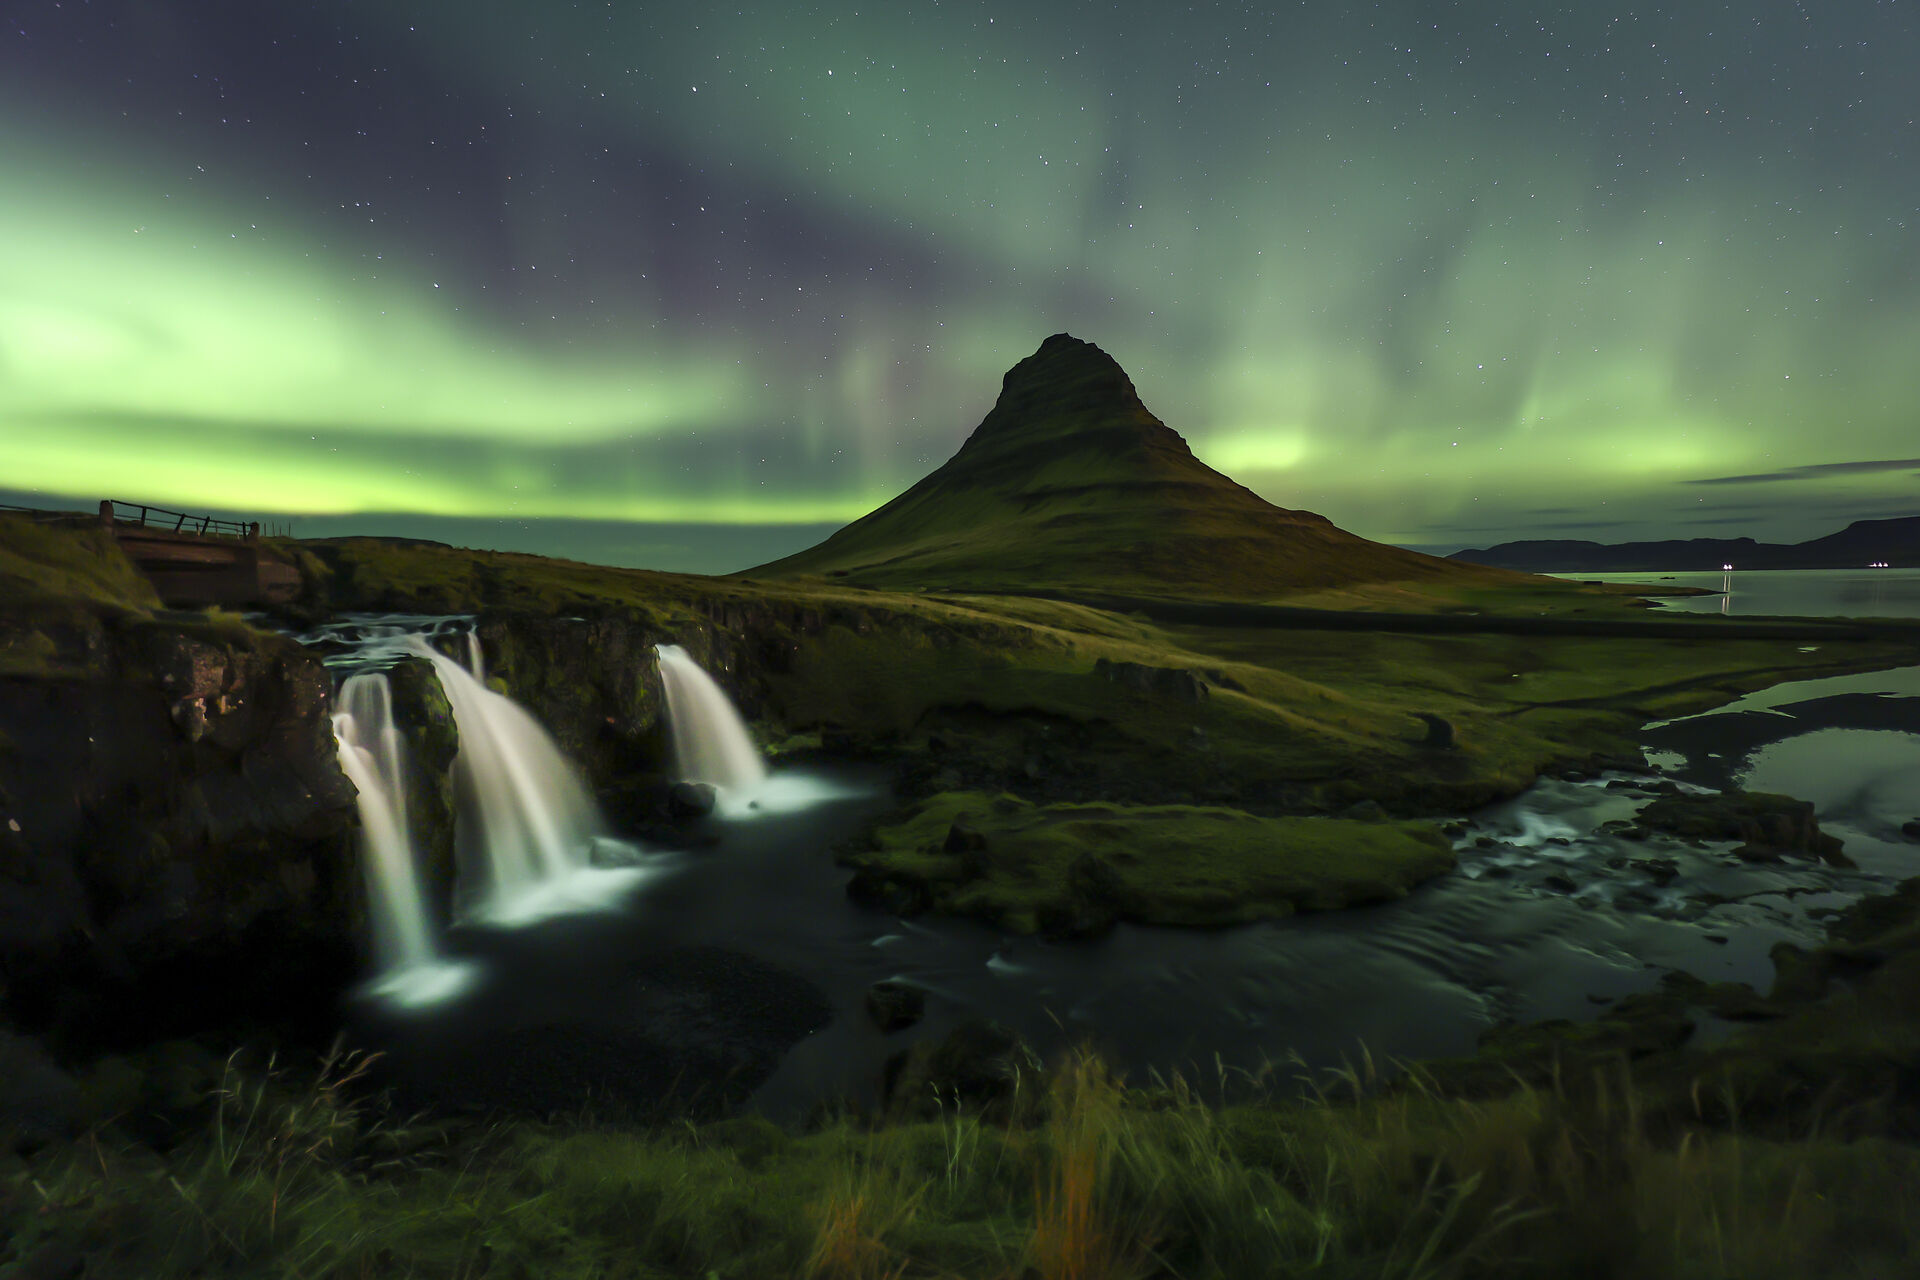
1662, 1164
1097, 1180
46, 563
1022, 865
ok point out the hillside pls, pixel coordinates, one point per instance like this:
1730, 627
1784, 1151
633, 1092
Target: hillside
1864, 542
1071, 483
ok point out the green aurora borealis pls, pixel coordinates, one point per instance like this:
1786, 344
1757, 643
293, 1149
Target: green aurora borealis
1445, 273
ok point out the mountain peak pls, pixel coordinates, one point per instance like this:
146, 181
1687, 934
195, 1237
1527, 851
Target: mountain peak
1070, 482
1066, 390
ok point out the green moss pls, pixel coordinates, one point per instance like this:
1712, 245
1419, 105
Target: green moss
1023, 865
68, 563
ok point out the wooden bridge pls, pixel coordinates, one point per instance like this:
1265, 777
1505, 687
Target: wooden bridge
194, 561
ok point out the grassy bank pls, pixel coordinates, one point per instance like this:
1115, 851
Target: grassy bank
1089, 1181
1079, 867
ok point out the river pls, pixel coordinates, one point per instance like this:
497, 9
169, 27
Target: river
1546, 916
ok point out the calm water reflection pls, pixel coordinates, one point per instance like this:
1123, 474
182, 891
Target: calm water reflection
1845, 593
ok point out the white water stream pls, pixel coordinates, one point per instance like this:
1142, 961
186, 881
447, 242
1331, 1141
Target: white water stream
412, 969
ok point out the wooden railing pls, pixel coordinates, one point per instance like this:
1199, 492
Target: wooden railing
174, 521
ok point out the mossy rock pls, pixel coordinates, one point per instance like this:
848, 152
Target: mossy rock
1767, 825
1069, 868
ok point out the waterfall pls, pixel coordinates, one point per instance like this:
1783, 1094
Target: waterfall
412, 970
476, 663
527, 823
710, 742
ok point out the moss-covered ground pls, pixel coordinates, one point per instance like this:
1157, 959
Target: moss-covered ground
1078, 866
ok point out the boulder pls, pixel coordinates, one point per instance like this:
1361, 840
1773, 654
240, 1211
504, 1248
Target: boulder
1439, 732
1167, 682
691, 799
39, 1103
979, 1066
893, 1004
1768, 826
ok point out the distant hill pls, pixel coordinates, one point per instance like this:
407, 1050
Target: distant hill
1071, 483
1896, 542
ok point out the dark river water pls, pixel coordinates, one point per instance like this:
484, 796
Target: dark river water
1545, 917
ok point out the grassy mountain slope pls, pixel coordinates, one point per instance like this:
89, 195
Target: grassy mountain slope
1071, 483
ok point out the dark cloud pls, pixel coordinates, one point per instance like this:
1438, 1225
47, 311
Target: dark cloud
1816, 471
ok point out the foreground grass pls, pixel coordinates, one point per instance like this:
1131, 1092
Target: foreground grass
1089, 1179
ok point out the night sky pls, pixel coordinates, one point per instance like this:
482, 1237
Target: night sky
666, 285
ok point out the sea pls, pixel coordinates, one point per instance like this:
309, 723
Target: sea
1825, 593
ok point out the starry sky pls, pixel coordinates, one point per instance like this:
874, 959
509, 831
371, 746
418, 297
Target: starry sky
688, 286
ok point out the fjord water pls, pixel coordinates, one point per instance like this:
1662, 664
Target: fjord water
1827, 593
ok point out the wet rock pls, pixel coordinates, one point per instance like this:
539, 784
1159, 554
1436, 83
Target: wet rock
842, 742
979, 1065
1798, 974
1365, 811
1171, 682
39, 1103
874, 887
1911, 830
691, 799
1734, 1001
1559, 882
1768, 826
1660, 870
1439, 732
893, 1005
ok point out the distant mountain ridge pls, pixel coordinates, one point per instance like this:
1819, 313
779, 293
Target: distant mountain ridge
1895, 542
1069, 482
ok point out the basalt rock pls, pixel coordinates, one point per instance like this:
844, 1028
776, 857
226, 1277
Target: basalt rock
177, 844
593, 683
1768, 826
893, 1005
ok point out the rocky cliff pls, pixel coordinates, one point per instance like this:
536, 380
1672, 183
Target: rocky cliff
174, 827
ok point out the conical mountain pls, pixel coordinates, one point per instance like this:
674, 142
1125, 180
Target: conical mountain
1071, 483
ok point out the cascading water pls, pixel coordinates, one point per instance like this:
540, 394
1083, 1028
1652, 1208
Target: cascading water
527, 824
412, 970
710, 741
